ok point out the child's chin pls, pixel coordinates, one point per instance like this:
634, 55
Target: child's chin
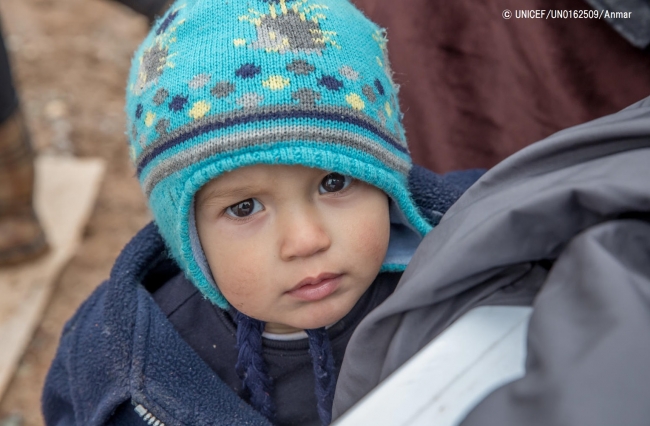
307, 322
318, 321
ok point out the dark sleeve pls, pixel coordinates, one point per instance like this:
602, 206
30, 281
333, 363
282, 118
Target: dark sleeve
64, 396
588, 340
56, 400
149, 8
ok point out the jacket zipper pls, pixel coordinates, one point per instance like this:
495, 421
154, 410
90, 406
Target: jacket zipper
147, 416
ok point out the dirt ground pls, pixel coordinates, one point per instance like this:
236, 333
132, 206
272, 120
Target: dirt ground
70, 59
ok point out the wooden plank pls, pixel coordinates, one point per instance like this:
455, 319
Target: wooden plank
65, 193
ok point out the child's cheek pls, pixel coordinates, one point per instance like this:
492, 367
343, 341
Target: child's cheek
238, 258
371, 234
246, 232
235, 281
377, 241
237, 265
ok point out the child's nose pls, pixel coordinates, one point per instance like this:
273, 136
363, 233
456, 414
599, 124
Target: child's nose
303, 235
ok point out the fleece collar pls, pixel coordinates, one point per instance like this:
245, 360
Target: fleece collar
125, 349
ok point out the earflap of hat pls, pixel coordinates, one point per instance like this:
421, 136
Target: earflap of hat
404, 240
201, 260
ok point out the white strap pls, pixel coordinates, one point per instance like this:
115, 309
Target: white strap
483, 350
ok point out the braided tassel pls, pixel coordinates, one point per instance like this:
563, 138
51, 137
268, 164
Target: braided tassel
322, 358
250, 366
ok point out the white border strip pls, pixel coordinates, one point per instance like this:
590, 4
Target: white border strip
441, 384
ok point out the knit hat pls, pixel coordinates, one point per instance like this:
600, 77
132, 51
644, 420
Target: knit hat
219, 85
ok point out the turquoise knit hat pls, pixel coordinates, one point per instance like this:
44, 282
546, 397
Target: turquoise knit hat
219, 85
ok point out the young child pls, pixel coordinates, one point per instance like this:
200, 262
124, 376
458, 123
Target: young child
267, 138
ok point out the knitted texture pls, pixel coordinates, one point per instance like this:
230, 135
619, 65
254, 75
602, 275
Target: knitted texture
219, 85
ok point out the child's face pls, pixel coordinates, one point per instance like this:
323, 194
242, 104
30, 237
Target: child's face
266, 229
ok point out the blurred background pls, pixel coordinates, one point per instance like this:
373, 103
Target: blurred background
70, 60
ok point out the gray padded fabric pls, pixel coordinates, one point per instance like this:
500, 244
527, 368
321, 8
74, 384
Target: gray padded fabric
565, 218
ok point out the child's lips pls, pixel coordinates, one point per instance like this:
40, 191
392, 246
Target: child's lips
313, 289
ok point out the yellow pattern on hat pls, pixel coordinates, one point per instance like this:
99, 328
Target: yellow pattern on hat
355, 101
276, 82
199, 109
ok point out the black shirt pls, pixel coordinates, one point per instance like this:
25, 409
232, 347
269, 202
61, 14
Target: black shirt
210, 331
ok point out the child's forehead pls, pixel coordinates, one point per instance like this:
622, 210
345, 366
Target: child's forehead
266, 171
255, 177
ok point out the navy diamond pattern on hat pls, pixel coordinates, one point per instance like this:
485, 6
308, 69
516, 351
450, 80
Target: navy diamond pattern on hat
138, 111
167, 22
379, 87
248, 71
178, 103
330, 82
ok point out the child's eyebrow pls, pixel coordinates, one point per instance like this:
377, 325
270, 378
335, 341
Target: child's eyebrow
227, 192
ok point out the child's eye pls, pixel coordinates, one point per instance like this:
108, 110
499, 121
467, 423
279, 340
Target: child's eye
244, 208
334, 182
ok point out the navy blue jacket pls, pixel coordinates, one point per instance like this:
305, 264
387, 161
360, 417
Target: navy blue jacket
121, 362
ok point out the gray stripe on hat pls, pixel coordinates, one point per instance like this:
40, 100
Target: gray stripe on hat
246, 112
247, 138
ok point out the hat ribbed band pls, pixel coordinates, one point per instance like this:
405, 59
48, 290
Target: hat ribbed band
231, 132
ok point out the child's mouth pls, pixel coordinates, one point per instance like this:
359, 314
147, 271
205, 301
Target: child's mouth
313, 289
